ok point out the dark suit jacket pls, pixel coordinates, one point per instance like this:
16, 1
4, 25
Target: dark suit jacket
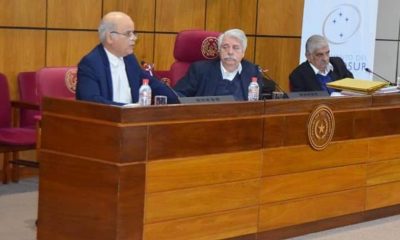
203, 76
95, 83
303, 77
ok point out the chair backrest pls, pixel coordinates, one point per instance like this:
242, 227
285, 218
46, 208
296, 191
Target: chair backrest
5, 105
57, 82
28, 93
191, 46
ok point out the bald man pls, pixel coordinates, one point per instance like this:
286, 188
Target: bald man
110, 73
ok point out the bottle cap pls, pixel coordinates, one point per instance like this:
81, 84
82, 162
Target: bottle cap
145, 81
254, 79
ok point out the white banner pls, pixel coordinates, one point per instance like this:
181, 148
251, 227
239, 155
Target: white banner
349, 26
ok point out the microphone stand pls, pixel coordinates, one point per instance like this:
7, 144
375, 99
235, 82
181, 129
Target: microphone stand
266, 76
379, 76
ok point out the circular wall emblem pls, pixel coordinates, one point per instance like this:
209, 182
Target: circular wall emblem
209, 48
321, 126
71, 79
342, 23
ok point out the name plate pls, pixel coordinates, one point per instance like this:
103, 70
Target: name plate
207, 99
308, 94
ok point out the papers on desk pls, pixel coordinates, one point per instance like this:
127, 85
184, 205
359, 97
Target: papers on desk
131, 105
357, 85
391, 89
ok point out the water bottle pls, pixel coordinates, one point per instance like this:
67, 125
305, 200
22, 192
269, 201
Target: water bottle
254, 90
145, 93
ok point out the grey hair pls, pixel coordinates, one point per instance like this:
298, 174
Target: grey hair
104, 27
315, 42
236, 33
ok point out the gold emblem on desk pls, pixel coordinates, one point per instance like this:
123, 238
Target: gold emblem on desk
209, 47
321, 126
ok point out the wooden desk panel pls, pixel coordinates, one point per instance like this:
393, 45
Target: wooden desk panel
302, 158
275, 216
202, 170
216, 171
305, 184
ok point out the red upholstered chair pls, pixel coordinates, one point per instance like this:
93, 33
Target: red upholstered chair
190, 46
57, 82
12, 139
28, 94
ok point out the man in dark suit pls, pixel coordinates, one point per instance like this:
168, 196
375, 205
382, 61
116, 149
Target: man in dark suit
110, 73
228, 75
319, 69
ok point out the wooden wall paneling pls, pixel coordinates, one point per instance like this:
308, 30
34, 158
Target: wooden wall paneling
281, 18
249, 55
202, 170
144, 47
141, 11
226, 14
213, 226
178, 15
66, 48
273, 216
20, 50
74, 14
164, 51
23, 13
280, 56
305, 184
383, 172
191, 202
304, 158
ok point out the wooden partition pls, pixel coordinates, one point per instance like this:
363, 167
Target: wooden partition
215, 171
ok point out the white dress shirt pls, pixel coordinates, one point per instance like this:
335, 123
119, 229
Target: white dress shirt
230, 75
120, 84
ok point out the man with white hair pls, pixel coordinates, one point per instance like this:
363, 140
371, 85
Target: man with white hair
319, 69
228, 75
110, 73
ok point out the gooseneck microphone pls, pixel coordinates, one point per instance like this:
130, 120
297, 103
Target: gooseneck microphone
379, 76
276, 85
149, 67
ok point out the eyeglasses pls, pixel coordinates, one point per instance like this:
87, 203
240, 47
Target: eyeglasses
128, 34
226, 47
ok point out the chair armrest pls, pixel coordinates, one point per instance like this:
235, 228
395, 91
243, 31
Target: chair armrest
25, 105
17, 106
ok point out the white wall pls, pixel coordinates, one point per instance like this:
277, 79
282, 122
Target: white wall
387, 51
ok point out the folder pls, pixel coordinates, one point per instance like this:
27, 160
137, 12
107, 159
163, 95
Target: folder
357, 85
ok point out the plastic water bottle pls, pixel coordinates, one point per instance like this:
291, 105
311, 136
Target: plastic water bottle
145, 93
254, 90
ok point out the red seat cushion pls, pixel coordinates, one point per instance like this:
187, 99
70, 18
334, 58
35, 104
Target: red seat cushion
17, 136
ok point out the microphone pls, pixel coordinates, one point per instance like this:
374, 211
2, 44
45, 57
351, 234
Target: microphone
147, 67
270, 85
379, 76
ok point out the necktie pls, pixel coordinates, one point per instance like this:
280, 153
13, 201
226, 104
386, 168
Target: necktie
323, 80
